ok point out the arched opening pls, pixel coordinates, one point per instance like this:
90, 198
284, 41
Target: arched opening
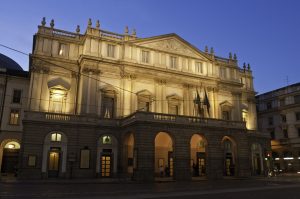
257, 159
129, 155
107, 156
164, 159
198, 155
9, 157
229, 148
54, 154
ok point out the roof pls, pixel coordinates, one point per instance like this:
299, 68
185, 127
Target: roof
8, 63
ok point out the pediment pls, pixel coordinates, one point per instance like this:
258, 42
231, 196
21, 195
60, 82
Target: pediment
58, 83
226, 104
172, 44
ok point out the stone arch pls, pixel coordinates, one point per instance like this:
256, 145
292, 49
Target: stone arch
164, 157
198, 154
229, 147
6, 165
107, 155
256, 159
54, 161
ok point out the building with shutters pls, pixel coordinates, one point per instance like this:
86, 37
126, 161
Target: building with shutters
104, 105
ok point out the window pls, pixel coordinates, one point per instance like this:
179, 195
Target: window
56, 137
282, 102
223, 72
106, 139
297, 115
17, 96
283, 118
145, 56
285, 133
297, 99
272, 133
198, 67
143, 106
62, 50
108, 107
110, 50
173, 109
298, 132
14, 117
269, 105
225, 115
270, 120
173, 62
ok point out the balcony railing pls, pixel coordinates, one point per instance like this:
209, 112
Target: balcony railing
139, 116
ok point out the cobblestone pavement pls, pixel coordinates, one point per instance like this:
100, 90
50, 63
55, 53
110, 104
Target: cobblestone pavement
276, 187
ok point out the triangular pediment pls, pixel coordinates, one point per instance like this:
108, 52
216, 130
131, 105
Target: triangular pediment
172, 44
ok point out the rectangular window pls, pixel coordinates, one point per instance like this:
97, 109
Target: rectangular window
282, 102
108, 107
17, 96
269, 105
283, 118
198, 67
285, 133
110, 50
173, 109
270, 120
223, 72
62, 49
173, 62
145, 56
225, 115
272, 133
31, 160
297, 99
14, 117
297, 116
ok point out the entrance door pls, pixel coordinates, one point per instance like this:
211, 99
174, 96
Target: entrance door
201, 164
54, 160
106, 165
10, 161
256, 162
171, 164
229, 167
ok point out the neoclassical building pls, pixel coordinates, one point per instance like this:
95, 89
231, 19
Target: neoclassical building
102, 104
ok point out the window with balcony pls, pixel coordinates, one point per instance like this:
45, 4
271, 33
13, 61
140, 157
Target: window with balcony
198, 67
173, 62
111, 50
108, 107
145, 56
174, 104
14, 117
144, 98
225, 115
17, 96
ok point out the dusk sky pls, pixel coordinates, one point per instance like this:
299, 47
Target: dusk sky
264, 33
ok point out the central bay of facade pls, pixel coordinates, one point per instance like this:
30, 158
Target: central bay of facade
103, 104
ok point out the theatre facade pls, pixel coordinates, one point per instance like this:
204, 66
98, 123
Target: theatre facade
108, 105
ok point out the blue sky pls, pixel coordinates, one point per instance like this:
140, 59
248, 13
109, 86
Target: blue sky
264, 33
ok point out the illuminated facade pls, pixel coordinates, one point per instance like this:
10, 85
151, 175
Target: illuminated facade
103, 104
279, 118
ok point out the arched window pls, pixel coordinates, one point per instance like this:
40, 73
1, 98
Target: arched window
106, 139
56, 137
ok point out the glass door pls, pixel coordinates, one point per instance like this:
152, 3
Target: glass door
106, 165
53, 166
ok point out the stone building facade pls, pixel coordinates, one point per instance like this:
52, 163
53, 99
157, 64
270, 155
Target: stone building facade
103, 104
279, 117
14, 83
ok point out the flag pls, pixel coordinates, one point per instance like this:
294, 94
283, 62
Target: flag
197, 102
206, 102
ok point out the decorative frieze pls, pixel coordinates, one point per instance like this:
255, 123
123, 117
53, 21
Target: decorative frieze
40, 69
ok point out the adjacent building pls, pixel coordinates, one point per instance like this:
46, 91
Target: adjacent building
103, 104
279, 117
14, 84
